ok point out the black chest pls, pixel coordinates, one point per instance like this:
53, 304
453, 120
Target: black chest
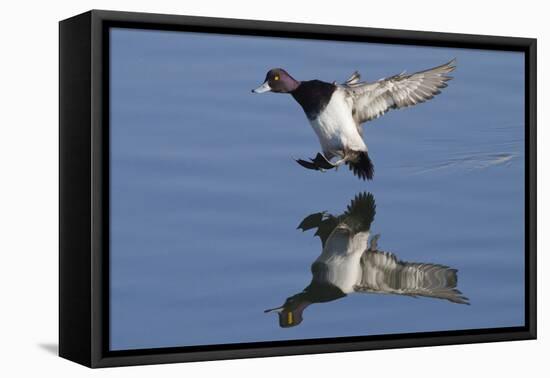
313, 96
319, 292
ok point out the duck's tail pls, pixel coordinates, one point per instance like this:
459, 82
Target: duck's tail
360, 164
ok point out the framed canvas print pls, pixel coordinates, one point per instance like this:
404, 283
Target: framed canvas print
234, 188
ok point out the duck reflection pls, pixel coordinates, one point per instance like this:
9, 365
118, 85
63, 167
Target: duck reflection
350, 264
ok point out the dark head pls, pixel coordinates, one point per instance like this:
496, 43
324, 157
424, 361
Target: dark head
290, 314
279, 81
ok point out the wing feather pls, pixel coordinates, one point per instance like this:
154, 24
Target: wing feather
371, 100
384, 273
353, 79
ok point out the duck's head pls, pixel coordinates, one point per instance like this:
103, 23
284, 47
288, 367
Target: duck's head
290, 314
279, 81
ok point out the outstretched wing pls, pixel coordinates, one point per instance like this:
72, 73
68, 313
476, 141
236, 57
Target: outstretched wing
371, 100
384, 273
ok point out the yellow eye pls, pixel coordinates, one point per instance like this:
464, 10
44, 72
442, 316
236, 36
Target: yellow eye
276, 77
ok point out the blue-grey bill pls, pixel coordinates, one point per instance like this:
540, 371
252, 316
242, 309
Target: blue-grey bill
277, 309
262, 88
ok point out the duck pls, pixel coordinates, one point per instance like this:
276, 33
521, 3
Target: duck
336, 112
351, 262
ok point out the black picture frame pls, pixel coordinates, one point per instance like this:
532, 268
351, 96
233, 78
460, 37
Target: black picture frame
84, 188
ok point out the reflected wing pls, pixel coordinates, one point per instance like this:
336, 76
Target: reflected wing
360, 212
371, 100
384, 273
357, 217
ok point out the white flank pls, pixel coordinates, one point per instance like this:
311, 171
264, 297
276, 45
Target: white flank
336, 128
341, 256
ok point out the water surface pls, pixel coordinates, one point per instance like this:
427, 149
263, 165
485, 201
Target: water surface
206, 199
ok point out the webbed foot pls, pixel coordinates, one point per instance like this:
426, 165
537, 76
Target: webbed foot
319, 163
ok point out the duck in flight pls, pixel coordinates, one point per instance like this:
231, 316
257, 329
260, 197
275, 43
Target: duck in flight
349, 263
337, 111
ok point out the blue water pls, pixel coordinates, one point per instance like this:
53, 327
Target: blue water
205, 196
